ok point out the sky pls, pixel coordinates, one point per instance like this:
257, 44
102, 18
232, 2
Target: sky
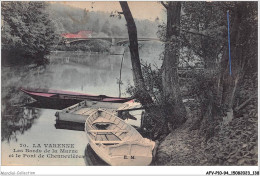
140, 9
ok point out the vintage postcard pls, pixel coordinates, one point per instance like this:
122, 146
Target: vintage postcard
138, 83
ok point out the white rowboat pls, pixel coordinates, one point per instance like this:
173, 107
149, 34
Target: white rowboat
117, 142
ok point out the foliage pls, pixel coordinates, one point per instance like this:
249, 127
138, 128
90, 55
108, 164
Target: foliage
155, 118
115, 30
96, 27
89, 46
204, 38
202, 89
27, 33
106, 28
203, 26
69, 19
204, 32
153, 80
235, 143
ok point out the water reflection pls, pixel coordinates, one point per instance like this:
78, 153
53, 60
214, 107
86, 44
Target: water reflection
57, 104
90, 73
17, 120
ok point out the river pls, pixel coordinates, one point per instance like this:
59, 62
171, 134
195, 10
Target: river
25, 129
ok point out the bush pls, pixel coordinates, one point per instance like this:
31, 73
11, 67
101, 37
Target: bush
27, 34
88, 46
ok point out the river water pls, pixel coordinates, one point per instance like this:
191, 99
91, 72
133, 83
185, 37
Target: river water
25, 129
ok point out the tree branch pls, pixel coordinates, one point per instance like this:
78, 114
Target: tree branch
245, 102
164, 5
189, 45
197, 33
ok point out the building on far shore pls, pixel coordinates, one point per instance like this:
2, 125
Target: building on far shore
80, 34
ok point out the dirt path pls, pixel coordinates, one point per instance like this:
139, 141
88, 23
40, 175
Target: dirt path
181, 147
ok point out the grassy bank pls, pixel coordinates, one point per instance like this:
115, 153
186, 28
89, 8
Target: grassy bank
233, 144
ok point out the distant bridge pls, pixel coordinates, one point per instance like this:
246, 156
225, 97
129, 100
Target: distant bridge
113, 41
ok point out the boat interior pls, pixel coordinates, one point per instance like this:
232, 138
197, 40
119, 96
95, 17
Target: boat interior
88, 107
105, 128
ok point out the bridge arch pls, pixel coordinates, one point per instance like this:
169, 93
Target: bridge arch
88, 39
113, 41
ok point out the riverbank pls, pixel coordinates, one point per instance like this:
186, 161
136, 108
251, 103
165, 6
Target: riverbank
234, 144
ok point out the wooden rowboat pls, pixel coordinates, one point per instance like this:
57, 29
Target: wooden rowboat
67, 98
117, 142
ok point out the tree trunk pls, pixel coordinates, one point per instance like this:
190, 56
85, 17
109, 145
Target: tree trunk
174, 108
230, 81
141, 94
208, 55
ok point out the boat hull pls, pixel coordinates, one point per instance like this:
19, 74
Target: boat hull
68, 98
55, 102
116, 142
121, 160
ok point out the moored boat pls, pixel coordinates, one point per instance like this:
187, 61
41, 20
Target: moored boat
67, 97
79, 112
117, 142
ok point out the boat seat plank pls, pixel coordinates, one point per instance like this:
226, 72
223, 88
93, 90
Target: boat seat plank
106, 131
108, 142
101, 119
